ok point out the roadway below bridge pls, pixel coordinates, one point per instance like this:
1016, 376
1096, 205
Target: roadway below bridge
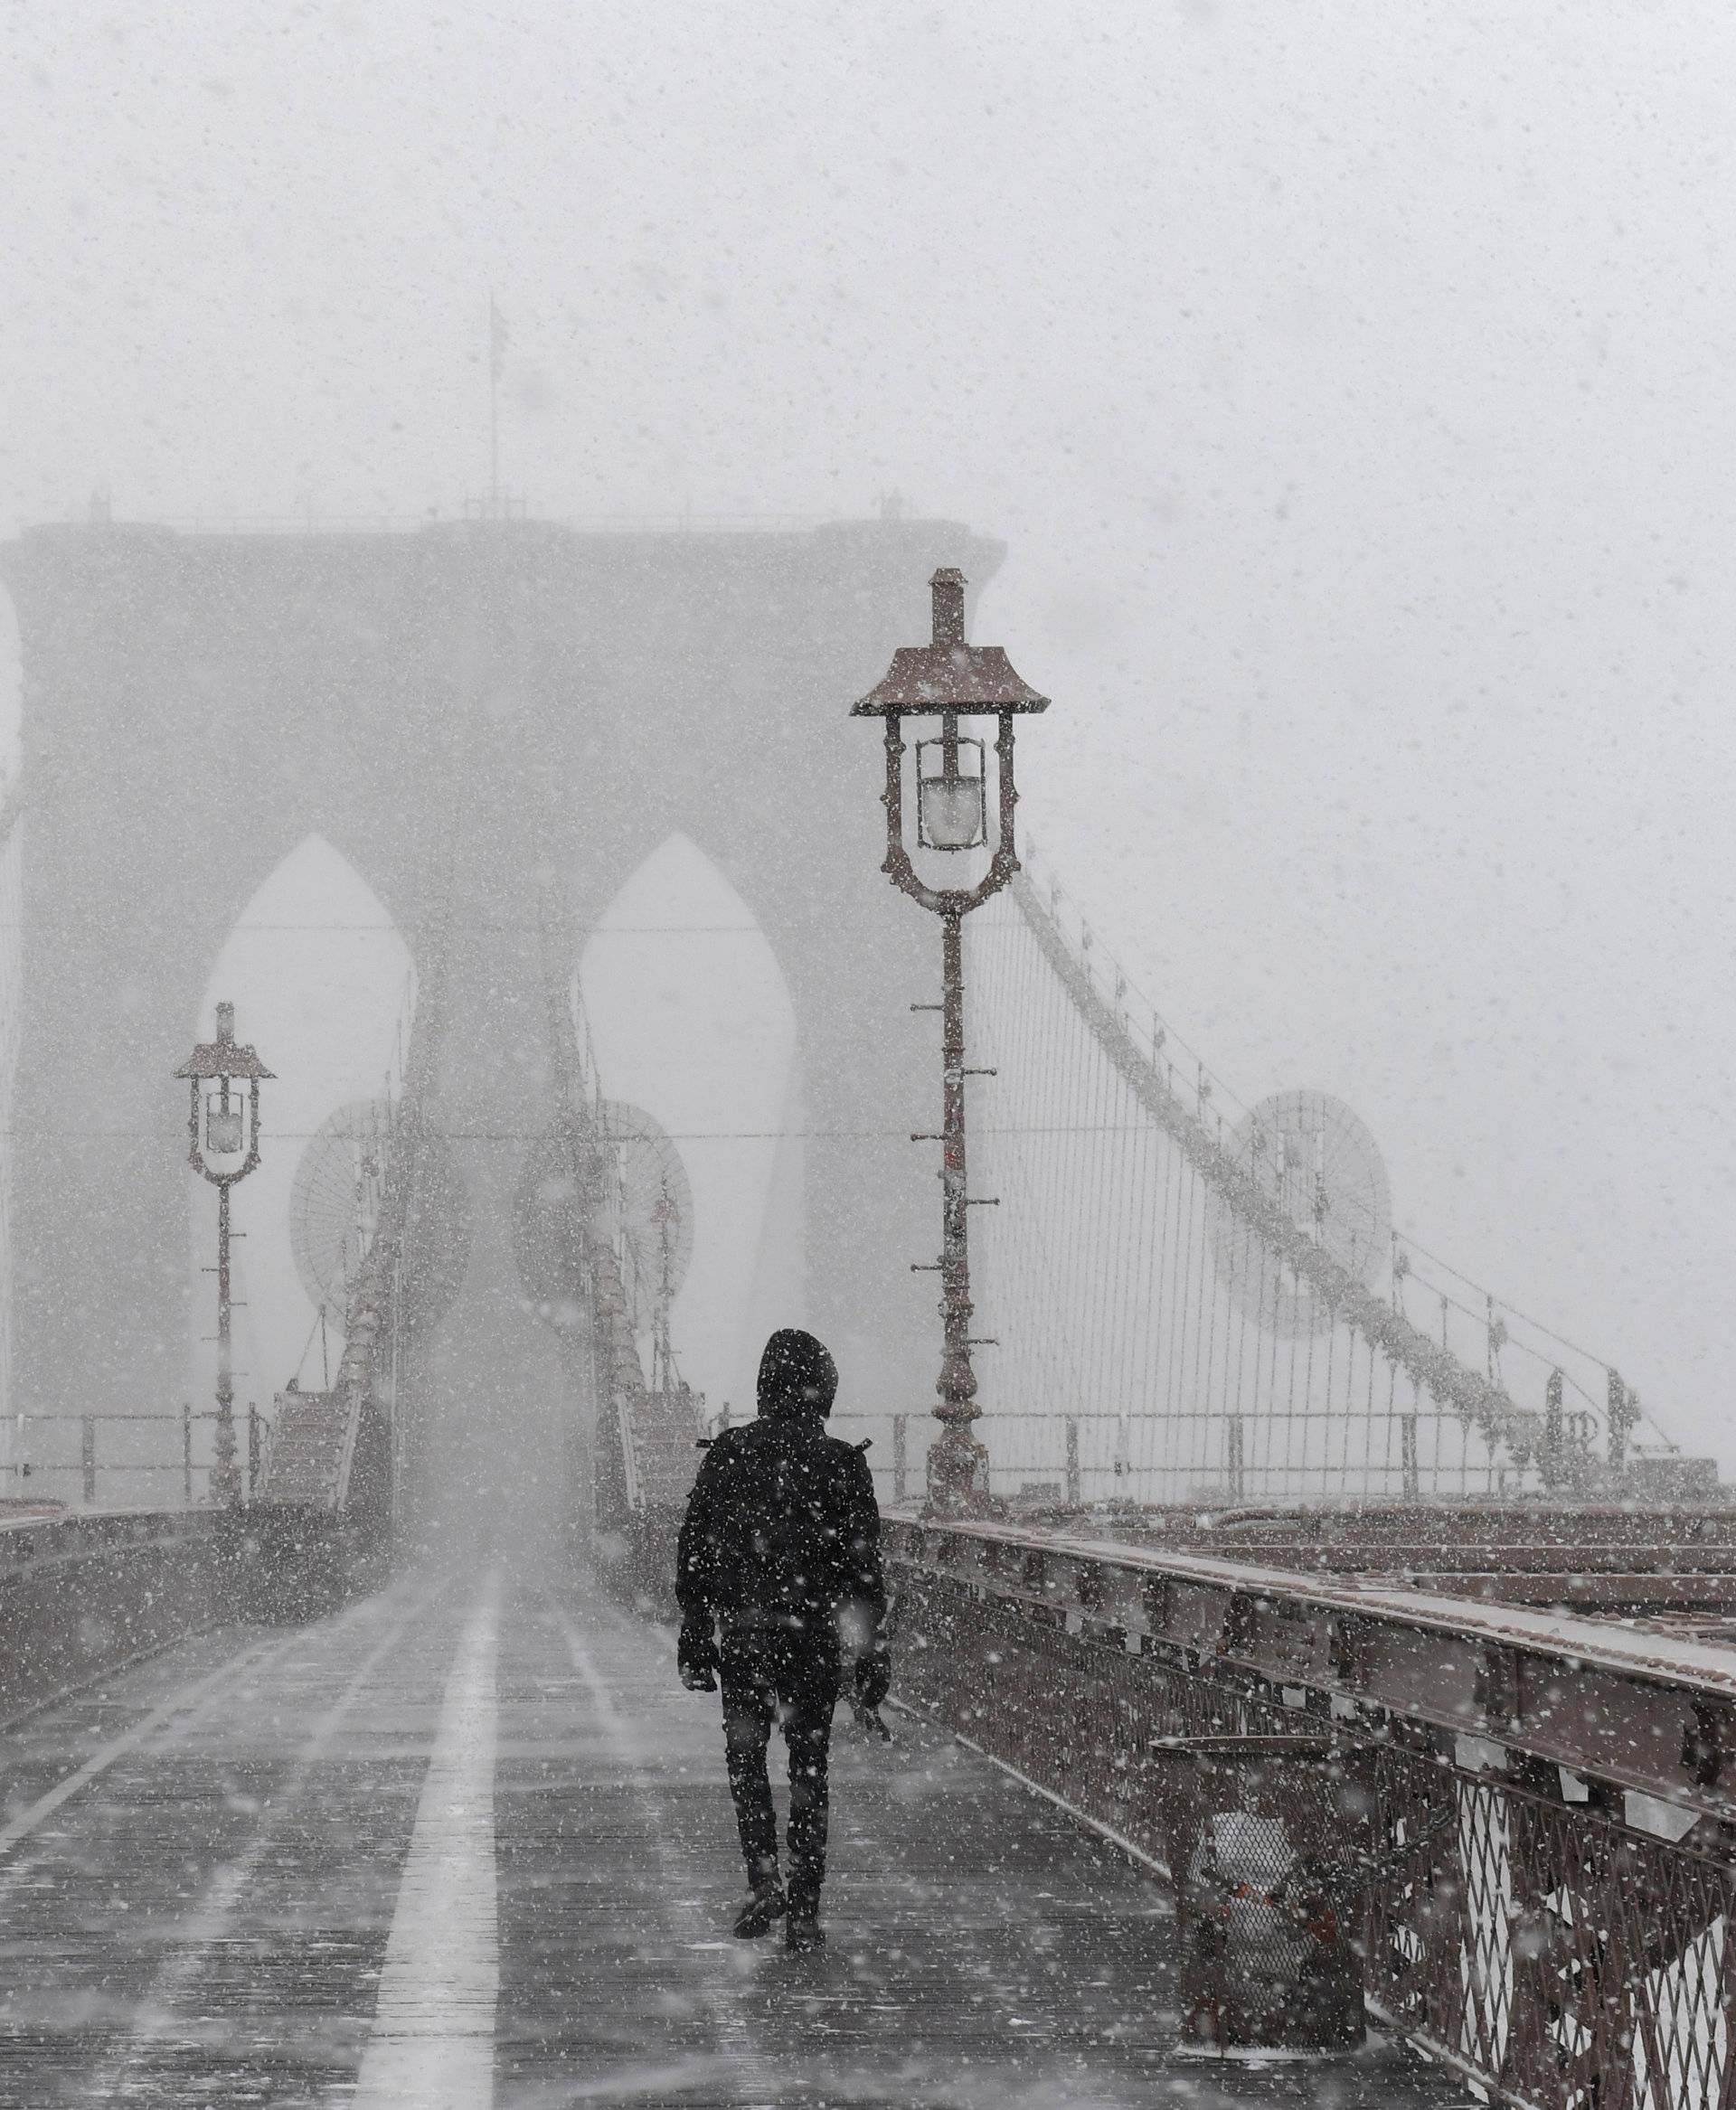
468, 1842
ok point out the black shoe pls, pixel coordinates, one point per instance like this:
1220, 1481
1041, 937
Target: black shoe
802, 1932
755, 1917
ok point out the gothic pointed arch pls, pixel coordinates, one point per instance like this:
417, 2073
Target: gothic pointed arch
690, 1016
324, 985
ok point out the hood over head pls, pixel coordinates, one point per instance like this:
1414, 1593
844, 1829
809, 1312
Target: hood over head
797, 1374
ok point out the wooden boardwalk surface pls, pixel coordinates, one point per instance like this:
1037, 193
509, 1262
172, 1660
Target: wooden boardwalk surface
469, 1843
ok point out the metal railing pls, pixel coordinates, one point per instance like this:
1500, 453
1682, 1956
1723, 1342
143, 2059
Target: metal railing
1080, 1460
90, 1465
1550, 1881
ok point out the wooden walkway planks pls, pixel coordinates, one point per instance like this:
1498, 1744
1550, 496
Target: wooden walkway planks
984, 1953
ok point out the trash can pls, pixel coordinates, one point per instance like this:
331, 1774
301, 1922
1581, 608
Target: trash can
1268, 1840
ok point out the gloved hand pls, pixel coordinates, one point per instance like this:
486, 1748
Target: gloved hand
696, 1656
873, 1678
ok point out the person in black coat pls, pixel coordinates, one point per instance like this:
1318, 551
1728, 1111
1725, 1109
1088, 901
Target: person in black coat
780, 1546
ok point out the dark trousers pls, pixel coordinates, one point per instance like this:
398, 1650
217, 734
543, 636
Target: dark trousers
792, 1676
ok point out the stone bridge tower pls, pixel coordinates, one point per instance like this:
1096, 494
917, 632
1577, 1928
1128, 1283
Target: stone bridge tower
195, 704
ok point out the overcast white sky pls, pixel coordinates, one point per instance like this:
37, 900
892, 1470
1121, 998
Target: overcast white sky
1352, 384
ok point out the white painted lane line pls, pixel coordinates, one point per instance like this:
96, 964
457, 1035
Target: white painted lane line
178, 1703
433, 2041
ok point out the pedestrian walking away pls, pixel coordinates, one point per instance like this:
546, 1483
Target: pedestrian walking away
777, 1575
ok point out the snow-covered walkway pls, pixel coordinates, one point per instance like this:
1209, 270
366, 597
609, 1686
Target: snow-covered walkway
326, 1866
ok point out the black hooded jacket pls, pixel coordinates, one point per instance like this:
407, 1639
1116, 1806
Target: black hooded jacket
782, 1527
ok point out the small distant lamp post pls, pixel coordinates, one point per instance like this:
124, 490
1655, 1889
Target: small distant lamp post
946, 680
225, 1148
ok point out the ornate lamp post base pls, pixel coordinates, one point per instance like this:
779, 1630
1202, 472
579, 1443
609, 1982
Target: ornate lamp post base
958, 1476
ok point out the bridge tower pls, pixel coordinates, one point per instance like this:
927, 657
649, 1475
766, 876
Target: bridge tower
463, 711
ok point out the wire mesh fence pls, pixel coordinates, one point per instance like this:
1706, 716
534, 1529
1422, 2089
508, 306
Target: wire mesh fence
1549, 1947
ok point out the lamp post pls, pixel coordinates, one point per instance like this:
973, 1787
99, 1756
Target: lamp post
225, 1150
948, 681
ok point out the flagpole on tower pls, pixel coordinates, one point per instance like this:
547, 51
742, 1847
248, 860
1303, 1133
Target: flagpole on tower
497, 341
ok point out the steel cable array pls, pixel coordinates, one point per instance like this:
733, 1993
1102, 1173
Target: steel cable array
1129, 1278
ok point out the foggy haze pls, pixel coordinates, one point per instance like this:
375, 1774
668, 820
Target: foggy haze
1350, 393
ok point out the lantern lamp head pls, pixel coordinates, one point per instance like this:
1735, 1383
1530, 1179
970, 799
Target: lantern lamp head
231, 1124
951, 679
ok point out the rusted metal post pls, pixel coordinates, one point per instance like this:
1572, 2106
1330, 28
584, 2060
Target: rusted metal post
901, 1455
252, 1448
1552, 1461
1072, 1460
399, 1431
958, 1464
223, 1480
87, 1455
186, 1452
